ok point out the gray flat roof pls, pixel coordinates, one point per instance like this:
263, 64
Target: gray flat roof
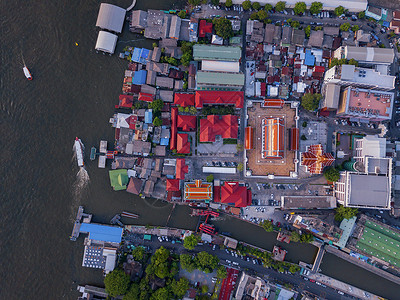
212, 52
368, 190
111, 17
308, 202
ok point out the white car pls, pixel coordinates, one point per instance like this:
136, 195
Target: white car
160, 239
340, 292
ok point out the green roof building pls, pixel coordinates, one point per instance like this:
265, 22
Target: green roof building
212, 52
380, 242
219, 80
119, 179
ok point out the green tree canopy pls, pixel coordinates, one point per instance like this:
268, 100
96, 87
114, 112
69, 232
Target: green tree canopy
262, 15
339, 10
355, 28
246, 5
210, 178
133, 293
185, 59
256, 6
293, 269
361, 15
204, 289
342, 212
157, 121
268, 7
191, 241
187, 263
315, 8
306, 238
160, 294
182, 14
116, 283
352, 61
310, 101
299, 8
206, 262
295, 237
180, 287
221, 272
215, 2
254, 16
331, 174
228, 3
156, 105
307, 31
194, 2
295, 24
138, 253
280, 6
267, 225
223, 28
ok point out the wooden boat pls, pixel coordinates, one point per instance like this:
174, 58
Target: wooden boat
28, 74
129, 215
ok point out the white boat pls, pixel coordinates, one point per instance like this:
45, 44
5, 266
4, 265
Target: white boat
79, 152
28, 74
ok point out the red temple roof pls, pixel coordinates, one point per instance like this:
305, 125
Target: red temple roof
204, 27
186, 123
273, 131
294, 139
184, 99
225, 126
181, 168
219, 97
182, 143
174, 130
249, 138
315, 159
233, 193
172, 185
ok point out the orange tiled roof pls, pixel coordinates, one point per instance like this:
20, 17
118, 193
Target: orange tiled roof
186, 123
273, 130
225, 126
182, 143
198, 190
181, 168
184, 100
249, 138
315, 159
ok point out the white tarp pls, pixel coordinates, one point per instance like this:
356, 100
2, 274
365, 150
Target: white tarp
111, 17
220, 66
219, 170
106, 42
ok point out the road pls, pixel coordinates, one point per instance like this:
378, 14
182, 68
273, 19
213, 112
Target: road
297, 281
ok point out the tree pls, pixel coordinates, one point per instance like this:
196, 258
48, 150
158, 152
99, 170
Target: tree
223, 28
331, 174
361, 15
180, 287
190, 242
182, 14
299, 8
268, 7
267, 225
256, 6
310, 101
254, 16
246, 5
315, 8
157, 121
221, 272
262, 15
355, 28
194, 2
193, 110
186, 109
318, 28
306, 238
293, 269
154, 44
280, 6
295, 237
307, 31
187, 262
133, 293
228, 3
138, 253
160, 294
295, 24
206, 262
342, 212
116, 283
210, 178
339, 10
303, 137
240, 167
239, 147
204, 289
215, 2
156, 105
186, 58
352, 61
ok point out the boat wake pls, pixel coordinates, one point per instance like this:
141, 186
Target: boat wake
81, 183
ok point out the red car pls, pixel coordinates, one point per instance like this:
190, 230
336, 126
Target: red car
312, 280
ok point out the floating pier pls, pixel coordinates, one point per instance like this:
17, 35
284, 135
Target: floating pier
81, 217
117, 220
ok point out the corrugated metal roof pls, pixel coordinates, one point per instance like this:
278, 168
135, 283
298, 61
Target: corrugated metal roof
111, 17
213, 52
219, 78
106, 42
103, 233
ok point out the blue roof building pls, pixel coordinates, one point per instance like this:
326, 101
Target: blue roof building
104, 233
140, 55
164, 141
148, 116
139, 77
309, 59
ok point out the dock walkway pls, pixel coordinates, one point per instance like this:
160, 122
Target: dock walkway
80, 217
132, 5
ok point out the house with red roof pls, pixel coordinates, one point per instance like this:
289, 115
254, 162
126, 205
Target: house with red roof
186, 123
174, 129
204, 28
219, 97
173, 185
232, 193
184, 99
125, 101
182, 143
226, 126
181, 168
146, 97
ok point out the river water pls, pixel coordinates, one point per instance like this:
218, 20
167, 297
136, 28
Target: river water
73, 94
